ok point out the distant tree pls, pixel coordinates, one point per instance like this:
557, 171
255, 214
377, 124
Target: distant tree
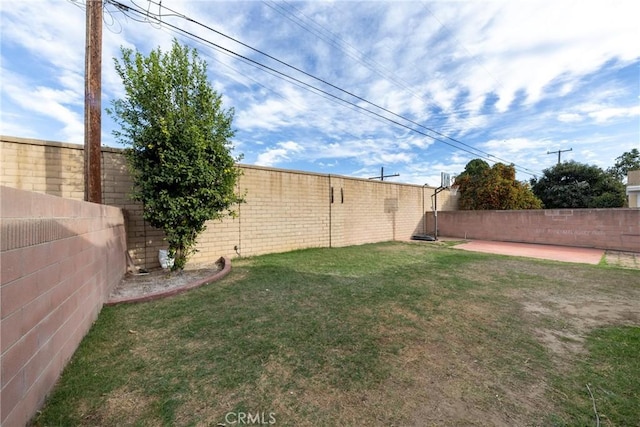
577, 185
483, 188
475, 168
179, 144
629, 160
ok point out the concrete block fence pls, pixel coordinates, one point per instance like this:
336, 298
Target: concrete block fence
59, 261
615, 229
284, 209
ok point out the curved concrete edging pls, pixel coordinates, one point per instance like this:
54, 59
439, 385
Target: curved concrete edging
226, 268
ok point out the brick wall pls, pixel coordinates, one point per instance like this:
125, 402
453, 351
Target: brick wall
615, 229
284, 209
59, 260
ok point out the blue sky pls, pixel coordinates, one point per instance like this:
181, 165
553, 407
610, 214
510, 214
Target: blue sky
506, 80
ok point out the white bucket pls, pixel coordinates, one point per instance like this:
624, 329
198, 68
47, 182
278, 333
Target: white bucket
165, 261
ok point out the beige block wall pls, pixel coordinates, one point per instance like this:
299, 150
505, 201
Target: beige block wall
43, 167
284, 209
364, 211
633, 188
59, 261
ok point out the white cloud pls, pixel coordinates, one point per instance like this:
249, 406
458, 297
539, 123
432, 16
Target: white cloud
52, 103
606, 114
275, 112
599, 113
515, 46
28, 25
273, 156
569, 117
514, 145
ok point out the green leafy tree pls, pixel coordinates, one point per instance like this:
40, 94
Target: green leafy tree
629, 160
577, 185
484, 188
476, 168
178, 136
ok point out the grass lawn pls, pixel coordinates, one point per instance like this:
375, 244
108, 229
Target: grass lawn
387, 334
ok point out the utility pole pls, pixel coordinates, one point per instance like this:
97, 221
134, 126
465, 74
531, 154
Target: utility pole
92, 102
559, 151
383, 176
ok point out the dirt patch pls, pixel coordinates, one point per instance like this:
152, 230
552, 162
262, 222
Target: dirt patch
160, 280
623, 259
566, 319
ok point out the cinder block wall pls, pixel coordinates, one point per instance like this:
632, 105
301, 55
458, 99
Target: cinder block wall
364, 211
284, 209
615, 229
59, 260
43, 167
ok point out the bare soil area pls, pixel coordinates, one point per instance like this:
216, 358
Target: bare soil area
623, 259
160, 280
571, 317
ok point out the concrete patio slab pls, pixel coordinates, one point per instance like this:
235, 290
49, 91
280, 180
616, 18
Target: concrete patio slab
550, 252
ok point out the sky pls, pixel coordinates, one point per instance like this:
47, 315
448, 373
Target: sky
351, 87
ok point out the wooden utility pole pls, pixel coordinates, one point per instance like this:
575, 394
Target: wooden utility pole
559, 151
92, 102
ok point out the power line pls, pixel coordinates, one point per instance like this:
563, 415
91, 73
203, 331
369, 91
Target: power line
337, 88
308, 89
340, 43
158, 18
489, 157
325, 34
